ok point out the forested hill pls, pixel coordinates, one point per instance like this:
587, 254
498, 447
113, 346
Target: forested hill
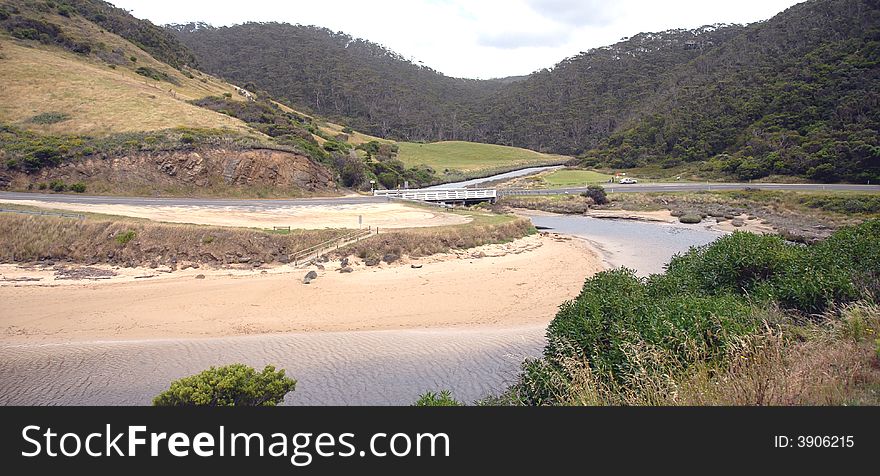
794, 95
337, 76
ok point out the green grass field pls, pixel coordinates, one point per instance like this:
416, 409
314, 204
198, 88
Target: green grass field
573, 178
470, 157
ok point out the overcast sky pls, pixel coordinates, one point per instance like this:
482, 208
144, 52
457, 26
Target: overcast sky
472, 38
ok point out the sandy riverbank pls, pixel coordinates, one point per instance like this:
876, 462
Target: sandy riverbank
753, 224
514, 284
383, 215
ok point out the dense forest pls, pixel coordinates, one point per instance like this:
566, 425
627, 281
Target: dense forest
793, 95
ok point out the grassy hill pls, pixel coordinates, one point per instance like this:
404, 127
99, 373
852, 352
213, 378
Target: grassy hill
471, 158
89, 98
86, 105
103, 84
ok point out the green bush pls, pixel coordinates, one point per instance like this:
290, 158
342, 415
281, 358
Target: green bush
78, 187
57, 186
124, 238
231, 385
597, 193
442, 399
49, 118
156, 74
616, 313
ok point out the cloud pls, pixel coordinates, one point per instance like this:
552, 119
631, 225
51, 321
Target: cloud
577, 12
513, 40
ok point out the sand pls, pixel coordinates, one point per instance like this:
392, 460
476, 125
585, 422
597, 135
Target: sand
516, 284
383, 215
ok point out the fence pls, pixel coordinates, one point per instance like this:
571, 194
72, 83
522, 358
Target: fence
313, 253
44, 213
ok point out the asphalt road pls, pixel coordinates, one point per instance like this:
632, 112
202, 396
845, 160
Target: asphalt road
302, 202
188, 202
696, 187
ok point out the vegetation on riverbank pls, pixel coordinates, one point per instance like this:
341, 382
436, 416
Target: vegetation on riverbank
797, 215
485, 228
131, 242
746, 320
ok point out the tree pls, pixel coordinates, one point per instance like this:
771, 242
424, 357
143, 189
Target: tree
597, 193
231, 385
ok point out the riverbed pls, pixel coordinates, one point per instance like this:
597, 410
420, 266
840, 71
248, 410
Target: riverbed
387, 367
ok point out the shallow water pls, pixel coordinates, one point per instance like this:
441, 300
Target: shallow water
332, 368
643, 246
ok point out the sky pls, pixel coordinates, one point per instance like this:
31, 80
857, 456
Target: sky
471, 38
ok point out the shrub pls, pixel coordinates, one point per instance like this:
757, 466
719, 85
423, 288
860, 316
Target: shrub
78, 187
124, 238
442, 399
388, 179
156, 74
231, 385
57, 186
597, 193
49, 118
733, 263
616, 321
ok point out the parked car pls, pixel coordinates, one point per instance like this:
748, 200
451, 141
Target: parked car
627, 180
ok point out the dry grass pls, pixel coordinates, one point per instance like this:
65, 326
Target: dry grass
27, 238
99, 100
835, 362
415, 242
568, 204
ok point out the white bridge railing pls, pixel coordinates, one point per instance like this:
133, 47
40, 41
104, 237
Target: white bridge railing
440, 195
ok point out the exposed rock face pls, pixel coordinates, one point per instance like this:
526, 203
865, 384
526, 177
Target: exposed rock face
201, 168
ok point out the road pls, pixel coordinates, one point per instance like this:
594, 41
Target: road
303, 202
187, 202
696, 187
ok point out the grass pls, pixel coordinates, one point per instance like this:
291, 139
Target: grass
471, 157
573, 178
828, 204
39, 80
485, 228
568, 204
132, 242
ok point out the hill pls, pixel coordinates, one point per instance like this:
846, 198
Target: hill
88, 105
459, 159
795, 95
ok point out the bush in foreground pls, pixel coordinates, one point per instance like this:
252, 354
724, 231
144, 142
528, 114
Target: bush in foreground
742, 299
442, 399
231, 385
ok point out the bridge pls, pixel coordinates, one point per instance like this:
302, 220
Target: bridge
445, 195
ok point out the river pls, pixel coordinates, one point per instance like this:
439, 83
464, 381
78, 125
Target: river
332, 368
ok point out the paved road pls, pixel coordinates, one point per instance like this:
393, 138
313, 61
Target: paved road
301, 202
189, 202
694, 187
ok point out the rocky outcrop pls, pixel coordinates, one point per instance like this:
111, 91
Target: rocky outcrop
202, 168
